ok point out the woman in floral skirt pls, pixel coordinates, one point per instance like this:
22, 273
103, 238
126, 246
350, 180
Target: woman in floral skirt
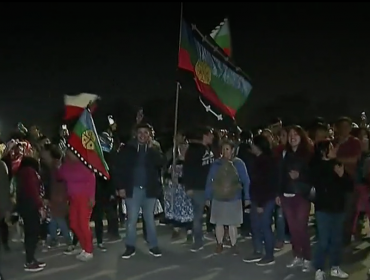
178, 207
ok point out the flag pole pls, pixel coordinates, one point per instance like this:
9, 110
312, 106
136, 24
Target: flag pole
178, 87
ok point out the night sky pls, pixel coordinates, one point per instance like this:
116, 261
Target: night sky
127, 53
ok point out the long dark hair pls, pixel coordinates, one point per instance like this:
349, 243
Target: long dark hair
262, 143
322, 149
304, 148
30, 162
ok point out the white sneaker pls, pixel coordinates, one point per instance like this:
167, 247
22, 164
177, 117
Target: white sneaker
295, 263
337, 272
80, 254
85, 256
320, 275
16, 239
306, 266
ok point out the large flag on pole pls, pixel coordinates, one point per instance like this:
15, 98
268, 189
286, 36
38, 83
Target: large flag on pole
219, 81
84, 142
76, 104
221, 35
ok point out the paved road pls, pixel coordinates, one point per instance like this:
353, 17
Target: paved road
177, 263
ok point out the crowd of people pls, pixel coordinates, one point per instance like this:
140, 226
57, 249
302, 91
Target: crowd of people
262, 186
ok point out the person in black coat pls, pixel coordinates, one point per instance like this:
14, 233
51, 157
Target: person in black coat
245, 154
293, 189
136, 176
332, 184
263, 191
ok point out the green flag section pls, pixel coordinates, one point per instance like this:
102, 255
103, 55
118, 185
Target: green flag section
84, 142
221, 35
215, 79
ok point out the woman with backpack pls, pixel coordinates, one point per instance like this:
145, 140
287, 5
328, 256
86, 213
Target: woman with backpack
226, 180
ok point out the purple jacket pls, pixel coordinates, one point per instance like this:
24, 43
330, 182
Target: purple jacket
79, 179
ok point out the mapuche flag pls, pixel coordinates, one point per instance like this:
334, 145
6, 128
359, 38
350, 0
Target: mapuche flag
216, 80
84, 142
221, 35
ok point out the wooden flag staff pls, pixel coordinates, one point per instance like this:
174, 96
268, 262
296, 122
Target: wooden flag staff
178, 87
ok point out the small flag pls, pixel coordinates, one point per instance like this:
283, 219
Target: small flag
221, 35
76, 104
84, 142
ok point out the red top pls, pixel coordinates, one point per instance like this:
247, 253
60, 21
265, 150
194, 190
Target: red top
349, 149
28, 185
278, 150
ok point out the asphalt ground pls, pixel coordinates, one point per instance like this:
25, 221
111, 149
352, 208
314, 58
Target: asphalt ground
177, 263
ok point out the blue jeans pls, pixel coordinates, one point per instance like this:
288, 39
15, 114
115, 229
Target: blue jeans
198, 202
262, 228
60, 223
133, 205
280, 225
246, 226
330, 240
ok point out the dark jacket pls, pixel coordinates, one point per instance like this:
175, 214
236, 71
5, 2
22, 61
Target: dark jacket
198, 159
246, 155
123, 169
289, 162
105, 189
331, 190
29, 196
58, 196
263, 175
5, 200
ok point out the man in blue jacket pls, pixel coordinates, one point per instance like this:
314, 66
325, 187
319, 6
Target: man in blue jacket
136, 176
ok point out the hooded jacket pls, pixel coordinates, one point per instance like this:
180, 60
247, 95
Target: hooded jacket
135, 159
198, 160
29, 186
